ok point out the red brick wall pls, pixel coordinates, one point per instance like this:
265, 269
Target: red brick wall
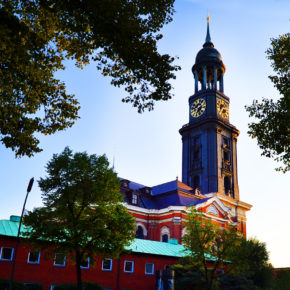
47, 274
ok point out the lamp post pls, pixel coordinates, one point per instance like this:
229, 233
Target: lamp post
17, 238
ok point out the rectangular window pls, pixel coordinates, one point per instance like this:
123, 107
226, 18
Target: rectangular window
6, 254
85, 264
128, 266
33, 257
59, 260
149, 268
134, 199
107, 265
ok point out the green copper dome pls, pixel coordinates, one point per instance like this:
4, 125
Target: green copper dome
208, 55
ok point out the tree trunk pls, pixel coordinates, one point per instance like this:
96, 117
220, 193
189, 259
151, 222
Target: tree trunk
79, 270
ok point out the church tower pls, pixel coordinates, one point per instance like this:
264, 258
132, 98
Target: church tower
209, 153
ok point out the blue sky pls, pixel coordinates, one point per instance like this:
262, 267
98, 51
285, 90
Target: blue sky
147, 147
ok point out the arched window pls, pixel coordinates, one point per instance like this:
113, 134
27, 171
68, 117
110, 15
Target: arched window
165, 238
227, 185
139, 233
165, 235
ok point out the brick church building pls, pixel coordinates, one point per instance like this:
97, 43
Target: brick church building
209, 163
209, 182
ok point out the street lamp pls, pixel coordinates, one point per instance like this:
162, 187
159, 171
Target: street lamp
17, 238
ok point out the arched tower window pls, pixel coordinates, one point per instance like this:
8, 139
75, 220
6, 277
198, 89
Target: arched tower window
196, 182
227, 185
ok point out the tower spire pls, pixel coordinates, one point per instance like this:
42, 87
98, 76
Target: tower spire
207, 39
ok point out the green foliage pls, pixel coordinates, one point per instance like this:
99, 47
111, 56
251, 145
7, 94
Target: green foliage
32, 100
120, 37
273, 131
252, 264
86, 286
4, 284
82, 214
34, 286
282, 280
245, 263
206, 242
188, 276
236, 282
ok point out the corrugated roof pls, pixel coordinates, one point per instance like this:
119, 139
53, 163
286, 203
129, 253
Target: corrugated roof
10, 227
157, 248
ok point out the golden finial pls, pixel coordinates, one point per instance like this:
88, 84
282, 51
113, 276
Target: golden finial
207, 18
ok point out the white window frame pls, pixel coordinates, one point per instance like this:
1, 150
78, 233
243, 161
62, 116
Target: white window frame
88, 267
132, 262
134, 198
12, 253
143, 227
33, 263
111, 264
59, 265
148, 273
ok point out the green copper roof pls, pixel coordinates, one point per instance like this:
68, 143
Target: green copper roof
156, 248
10, 228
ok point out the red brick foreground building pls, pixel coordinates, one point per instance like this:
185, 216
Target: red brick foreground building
131, 271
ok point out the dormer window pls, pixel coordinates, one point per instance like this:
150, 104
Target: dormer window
134, 198
125, 183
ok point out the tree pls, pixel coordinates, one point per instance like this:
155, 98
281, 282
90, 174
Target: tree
82, 215
210, 249
282, 280
252, 263
37, 36
221, 258
273, 131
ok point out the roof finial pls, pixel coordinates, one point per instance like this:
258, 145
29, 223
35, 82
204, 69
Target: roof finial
207, 39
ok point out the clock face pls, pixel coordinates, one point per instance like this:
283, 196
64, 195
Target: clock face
198, 107
222, 108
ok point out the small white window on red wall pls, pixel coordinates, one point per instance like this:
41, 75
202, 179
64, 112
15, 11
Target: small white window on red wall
6, 254
85, 263
128, 266
59, 260
33, 257
149, 268
107, 265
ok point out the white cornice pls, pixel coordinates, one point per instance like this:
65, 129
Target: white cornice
155, 211
230, 200
217, 202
